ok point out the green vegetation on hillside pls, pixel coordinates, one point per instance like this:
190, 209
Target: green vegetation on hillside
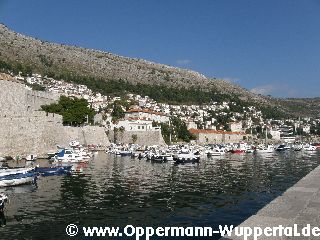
74, 111
160, 93
178, 130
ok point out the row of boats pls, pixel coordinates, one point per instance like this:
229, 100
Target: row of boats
192, 153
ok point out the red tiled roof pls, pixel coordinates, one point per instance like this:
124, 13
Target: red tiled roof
209, 131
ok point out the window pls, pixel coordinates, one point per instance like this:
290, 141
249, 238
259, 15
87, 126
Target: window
138, 127
142, 127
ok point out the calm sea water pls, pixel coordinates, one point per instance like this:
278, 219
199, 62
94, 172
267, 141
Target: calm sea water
115, 191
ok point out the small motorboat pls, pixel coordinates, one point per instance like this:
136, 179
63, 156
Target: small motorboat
309, 148
158, 158
265, 149
3, 201
240, 148
18, 179
216, 152
282, 148
68, 156
54, 171
186, 156
13, 171
125, 153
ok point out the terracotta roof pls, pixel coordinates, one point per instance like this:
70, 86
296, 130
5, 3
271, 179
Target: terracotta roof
209, 131
145, 111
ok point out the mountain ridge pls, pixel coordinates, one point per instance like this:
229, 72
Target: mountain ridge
16, 47
47, 58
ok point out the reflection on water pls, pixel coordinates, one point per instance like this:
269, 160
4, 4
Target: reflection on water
114, 191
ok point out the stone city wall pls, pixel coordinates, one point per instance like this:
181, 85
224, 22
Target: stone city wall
15, 99
143, 137
25, 130
39, 135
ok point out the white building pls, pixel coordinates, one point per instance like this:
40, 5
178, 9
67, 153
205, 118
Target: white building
276, 134
236, 126
147, 114
134, 124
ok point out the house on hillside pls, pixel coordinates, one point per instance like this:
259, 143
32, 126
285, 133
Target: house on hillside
147, 114
135, 124
235, 126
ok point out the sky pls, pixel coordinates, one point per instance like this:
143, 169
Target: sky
271, 47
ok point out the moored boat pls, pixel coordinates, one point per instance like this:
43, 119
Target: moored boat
265, 149
3, 201
282, 148
12, 171
18, 179
240, 148
68, 156
186, 156
54, 171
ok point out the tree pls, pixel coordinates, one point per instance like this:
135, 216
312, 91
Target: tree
134, 138
117, 112
74, 111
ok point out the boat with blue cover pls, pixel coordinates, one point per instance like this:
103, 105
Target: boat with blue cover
53, 171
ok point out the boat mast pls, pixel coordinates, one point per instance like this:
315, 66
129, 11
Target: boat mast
266, 135
170, 131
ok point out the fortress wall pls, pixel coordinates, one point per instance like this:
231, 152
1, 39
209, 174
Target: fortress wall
143, 137
25, 130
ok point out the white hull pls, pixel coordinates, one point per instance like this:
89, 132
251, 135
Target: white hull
15, 182
6, 172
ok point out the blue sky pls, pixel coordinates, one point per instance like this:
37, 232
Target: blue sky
270, 47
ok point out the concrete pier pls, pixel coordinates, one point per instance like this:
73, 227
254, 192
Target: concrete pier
299, 205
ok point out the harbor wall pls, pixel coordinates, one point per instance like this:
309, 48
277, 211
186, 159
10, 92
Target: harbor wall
25, 130
143, 137
40, 134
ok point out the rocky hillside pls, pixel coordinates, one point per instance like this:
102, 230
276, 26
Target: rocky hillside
44, 57
50, 57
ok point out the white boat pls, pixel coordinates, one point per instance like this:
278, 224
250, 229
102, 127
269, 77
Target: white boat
18, 179
309, 148
216, 152
186, 156
68, 156
3, 200
81, 152
10, 171
265, 149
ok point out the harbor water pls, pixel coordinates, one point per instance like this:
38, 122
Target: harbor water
120, 191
